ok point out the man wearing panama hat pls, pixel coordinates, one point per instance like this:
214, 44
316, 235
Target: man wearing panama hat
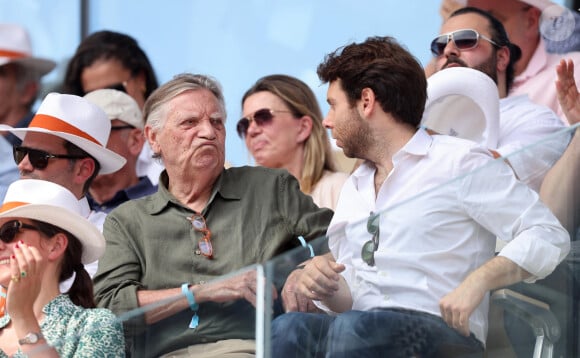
65, 143
20, 74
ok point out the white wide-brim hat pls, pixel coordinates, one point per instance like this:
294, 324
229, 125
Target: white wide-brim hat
53, 204
463, 102
15, 47
78, 121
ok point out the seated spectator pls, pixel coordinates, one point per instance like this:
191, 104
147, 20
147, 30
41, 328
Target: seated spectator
108, 59
535, 71
522, 123
66, 144
566, 40
107, 191
392, 291
204, 222
45, 239
282, 128
20, 75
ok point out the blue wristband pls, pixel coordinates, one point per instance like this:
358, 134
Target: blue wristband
192, 304
189, 295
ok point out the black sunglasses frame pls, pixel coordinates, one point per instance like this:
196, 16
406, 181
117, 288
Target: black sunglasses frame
38, 158
10, 229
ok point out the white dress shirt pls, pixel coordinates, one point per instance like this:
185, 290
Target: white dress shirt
532, 137
434, 231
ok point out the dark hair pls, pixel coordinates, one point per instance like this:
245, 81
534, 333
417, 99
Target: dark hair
301, 101
499, 36
383, 65
81, 291
72, 149
108, 45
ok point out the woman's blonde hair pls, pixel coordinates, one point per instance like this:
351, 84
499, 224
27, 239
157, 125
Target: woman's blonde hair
301, 101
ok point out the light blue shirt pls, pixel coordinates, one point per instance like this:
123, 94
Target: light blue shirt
8, 168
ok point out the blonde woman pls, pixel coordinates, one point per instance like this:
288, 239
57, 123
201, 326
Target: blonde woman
282, 128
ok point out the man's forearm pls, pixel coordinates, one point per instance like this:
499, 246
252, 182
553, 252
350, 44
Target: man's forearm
560, 189
170, 301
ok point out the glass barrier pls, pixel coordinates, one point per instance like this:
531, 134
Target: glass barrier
513, 320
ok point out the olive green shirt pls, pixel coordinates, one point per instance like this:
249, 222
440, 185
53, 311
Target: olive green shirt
253, 214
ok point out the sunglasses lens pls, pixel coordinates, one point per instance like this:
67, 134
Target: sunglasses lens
263, 116
438, 45
8, 231
38, 158
373, 224
19, 154
242, 127
465, 39
368, 253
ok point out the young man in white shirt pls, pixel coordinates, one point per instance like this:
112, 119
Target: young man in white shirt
415, 279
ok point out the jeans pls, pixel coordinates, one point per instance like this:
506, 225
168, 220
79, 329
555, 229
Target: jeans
379, 333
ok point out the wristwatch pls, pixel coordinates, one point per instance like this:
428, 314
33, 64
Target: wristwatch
31, 338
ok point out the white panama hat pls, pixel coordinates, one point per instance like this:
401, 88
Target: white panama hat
53, 204
15, 47
78, 121
463, 102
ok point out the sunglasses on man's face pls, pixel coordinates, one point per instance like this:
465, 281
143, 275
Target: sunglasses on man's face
261, 117
198, 223
463, 40
38, 158
369, 248
9, 230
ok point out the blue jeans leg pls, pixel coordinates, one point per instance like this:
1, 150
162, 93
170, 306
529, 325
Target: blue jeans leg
395, 333
297, 334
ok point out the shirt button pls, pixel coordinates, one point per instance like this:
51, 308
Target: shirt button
386, 297
197, 252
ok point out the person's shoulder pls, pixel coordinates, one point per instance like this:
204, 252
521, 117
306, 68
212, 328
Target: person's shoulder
255, 173
333, 178
458, 149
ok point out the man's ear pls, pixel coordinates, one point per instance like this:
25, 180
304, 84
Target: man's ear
502, 56
151, 136
135, 141
57, 246
84, 170
367, 102
304, 128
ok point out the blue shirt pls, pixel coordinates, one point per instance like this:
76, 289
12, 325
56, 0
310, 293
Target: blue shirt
142, 188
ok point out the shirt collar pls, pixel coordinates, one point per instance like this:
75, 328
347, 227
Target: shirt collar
418, 145
163, 198
537, 63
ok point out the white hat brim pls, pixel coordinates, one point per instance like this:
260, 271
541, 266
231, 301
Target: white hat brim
43, 66
109, 161
463, 102
90, 237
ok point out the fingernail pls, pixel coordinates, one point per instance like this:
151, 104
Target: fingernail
17, 246
13, 257
21, 242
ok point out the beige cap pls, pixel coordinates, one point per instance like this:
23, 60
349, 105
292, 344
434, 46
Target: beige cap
117, 105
